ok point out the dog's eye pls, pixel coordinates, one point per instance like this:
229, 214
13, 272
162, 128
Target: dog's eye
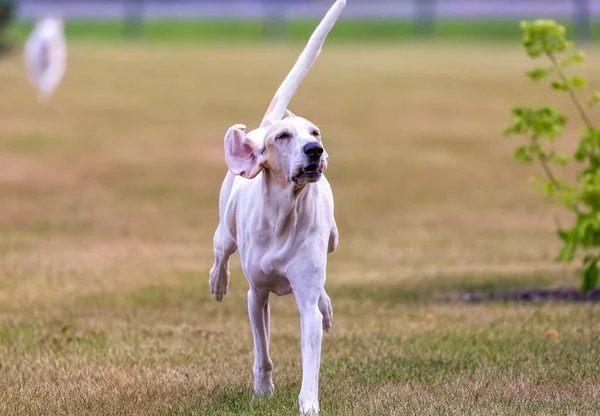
282, 136
315, 133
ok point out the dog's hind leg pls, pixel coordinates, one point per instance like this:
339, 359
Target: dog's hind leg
326, 310
267, 318
259, 311
224, 247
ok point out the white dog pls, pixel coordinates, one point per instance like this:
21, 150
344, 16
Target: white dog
46, 55
276, 207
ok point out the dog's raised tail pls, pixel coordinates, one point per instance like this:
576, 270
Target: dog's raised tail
305, 61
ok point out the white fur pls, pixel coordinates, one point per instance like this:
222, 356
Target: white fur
46, 55
276, 207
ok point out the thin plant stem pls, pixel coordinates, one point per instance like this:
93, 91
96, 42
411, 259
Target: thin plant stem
578, 106
564, 79
549, 174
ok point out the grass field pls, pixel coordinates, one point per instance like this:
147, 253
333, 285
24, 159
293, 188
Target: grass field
161, 31
109, 201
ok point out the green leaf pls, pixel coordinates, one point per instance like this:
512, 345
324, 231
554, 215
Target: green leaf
524, 24
580, 154
542, 122
590, 196
520, 112
521, 154
576, 58
589, 143
516, 128
589, 258
548, 189
570, 198
544, 37
567, 252
564, 235
578, 82
565, 46
536, 150
593, 99
561, 159
589, 276
539, 73
583, 227
559, 85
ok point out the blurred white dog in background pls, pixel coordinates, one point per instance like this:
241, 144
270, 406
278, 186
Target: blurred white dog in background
46, 56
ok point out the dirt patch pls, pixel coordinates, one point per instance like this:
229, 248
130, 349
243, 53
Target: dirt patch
531, 295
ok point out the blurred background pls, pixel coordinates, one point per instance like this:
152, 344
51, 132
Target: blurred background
363, 19
109, 196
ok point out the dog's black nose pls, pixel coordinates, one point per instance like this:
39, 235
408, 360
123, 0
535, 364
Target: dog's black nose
313, 150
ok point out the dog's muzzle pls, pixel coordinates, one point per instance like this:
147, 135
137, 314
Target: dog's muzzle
313, 151
314, 169
309, 173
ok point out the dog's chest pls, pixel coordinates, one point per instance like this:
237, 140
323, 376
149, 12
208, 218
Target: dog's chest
276, 236
270, 252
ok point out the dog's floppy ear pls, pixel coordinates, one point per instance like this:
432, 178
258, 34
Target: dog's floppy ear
243, 156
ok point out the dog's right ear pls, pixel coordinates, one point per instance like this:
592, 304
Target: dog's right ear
243, 156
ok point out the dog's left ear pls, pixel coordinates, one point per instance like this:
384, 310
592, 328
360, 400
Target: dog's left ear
243, 156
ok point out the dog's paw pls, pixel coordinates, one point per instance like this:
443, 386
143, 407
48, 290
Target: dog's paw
218, 282
264, 391
309, 409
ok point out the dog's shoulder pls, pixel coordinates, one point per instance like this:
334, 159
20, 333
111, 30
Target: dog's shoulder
242, 189
325, 191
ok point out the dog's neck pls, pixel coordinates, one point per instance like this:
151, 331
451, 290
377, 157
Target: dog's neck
282, 195
290, 211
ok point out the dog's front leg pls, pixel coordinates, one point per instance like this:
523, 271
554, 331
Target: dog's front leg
311, 328
258, 310
223, 241
224, 247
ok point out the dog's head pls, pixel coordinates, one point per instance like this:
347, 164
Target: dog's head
50, 26
291, 149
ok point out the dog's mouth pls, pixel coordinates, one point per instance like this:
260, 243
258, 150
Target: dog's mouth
307, 174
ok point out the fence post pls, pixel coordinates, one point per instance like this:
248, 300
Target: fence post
425, 14
133, 25
274, 21
581, 20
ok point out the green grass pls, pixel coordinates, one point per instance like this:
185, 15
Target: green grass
404, 357
109, 204
32, 143
295, 30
